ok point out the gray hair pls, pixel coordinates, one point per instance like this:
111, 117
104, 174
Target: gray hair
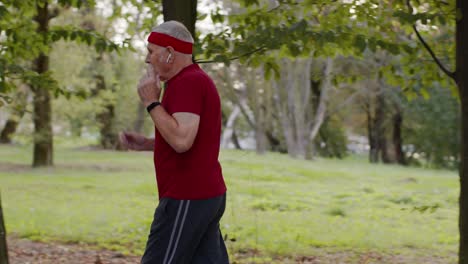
174, 29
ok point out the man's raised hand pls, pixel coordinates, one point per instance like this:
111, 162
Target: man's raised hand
149, 88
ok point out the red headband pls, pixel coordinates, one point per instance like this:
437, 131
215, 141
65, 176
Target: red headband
164, 40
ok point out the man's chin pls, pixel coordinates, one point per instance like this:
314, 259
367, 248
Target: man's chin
162, 78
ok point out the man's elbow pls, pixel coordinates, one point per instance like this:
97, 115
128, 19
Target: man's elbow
182, 146
182, 142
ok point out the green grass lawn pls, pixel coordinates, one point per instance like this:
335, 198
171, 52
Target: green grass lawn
276, 205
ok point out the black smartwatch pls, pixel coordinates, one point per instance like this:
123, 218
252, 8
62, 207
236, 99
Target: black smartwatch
151, 106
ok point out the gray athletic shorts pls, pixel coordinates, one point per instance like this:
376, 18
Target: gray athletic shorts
187, 231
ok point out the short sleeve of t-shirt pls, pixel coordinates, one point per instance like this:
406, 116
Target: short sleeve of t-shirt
187, 94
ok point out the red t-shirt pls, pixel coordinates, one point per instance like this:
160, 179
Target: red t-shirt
196, 173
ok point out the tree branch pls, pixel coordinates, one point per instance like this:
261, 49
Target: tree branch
428, 48
274, 8
442, 2
233, 58
322, 106
239, 101
53, 13
434, 57
280, 3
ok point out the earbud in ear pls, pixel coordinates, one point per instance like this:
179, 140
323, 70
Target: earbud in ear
169, 57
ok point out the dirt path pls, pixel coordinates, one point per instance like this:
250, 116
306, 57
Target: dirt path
22, 251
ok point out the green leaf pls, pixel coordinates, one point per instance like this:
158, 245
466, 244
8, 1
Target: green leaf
394, 49
248, 3
41, 3
222, 58
73, 35
3, 11
360, 43
424, 93
442, 20
201, 16
408, 49
54, 36
372, 45
88, 39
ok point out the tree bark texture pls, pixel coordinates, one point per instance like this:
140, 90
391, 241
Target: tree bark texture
375, 110
379, 124
42, 117
106, 118
184, 11
43, 135
322, 104
397, 138
3, 241
17, 113
229, 128
462, 82
76, 125
301, 109
8, 130
258, 101
140, 121
235, 140
372, 136
252, 101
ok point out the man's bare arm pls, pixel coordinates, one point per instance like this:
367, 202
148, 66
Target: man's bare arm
179, 130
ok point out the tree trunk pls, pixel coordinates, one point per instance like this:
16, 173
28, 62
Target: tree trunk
17, 114
3, 242
371, 134
373, 145
43, 136
301, 104
260, 137
140, 121
283, 105
274, 143
464, 172
298, 97
462, 82
384, 149
184, 11
322, 104
463, 200
106, 118
9, 129
260, 114
229, 128
75, 126
379, 122
315, 99
235, 140
108, 137
397, 139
